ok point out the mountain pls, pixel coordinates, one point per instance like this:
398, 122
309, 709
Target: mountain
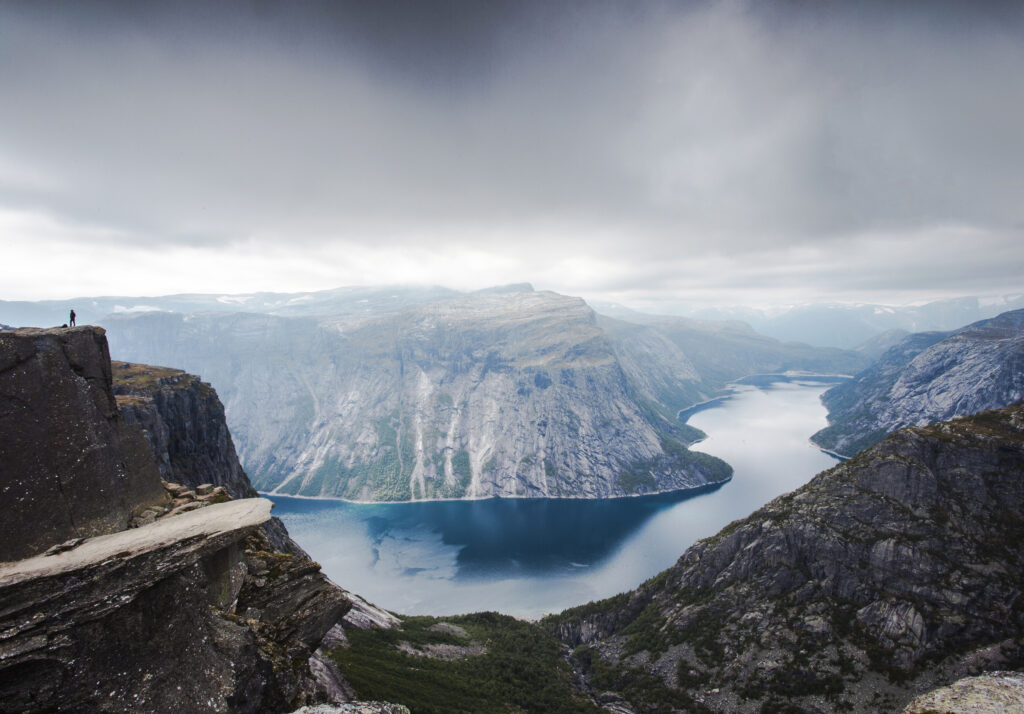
928, 377
183, 420
508, 393
394, 393
992, 693
874, 347
886, 576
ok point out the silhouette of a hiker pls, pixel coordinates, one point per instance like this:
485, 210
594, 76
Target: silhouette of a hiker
72, 321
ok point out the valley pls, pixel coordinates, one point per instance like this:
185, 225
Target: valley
877, 580
463, 357
508, 392
531, 557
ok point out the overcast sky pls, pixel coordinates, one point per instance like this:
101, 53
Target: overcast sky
730, 152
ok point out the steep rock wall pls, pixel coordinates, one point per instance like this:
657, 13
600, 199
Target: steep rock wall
69, 466
884, 577
928, 377
183, 421
141, 607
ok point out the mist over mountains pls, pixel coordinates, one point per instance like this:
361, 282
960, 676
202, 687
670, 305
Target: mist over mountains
409, 393
342, 301
844, 325
730, 206
399, 393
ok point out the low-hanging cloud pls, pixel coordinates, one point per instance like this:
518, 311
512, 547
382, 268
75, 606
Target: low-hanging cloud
599, 148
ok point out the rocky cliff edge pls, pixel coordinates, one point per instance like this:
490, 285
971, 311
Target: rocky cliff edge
140, 602
183, 421
69, 466
895, 572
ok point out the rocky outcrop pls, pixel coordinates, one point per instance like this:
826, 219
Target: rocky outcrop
70, 467
928, 377
516, 393
184, 614
290, 606
995, 693
174, 600
361, 616
183, 420
123, 622
886, 576
355, 708
364, 615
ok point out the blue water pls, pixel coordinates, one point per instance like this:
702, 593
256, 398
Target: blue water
529, 557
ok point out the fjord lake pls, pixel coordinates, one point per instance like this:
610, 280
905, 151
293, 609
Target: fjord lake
529, 557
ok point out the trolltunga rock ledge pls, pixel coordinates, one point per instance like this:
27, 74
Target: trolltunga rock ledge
120, 616
182, 538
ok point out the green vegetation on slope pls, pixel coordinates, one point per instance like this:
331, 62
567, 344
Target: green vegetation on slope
639, 477
386, 478
520, 669
142, 377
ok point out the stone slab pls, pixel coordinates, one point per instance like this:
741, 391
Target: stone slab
205, 523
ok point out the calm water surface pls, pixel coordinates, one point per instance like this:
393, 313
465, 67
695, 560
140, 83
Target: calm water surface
530, 557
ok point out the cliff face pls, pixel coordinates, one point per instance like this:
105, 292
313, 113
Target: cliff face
928, 377
890, 574
69, 466
495, 394
194, 608
195, 612
183, 421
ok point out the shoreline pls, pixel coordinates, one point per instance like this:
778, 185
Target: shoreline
681, 493
833, 454
752, 380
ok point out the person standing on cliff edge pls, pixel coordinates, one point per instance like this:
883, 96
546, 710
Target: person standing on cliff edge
72, 319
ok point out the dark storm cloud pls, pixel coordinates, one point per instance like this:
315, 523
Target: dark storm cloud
610, 141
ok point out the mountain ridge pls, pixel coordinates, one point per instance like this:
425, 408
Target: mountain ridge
928, 377
514, 393
511, 392
885, 576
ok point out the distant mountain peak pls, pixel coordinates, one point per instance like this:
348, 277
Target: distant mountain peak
510, 288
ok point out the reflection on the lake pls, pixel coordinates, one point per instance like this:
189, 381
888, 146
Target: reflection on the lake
529, 557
